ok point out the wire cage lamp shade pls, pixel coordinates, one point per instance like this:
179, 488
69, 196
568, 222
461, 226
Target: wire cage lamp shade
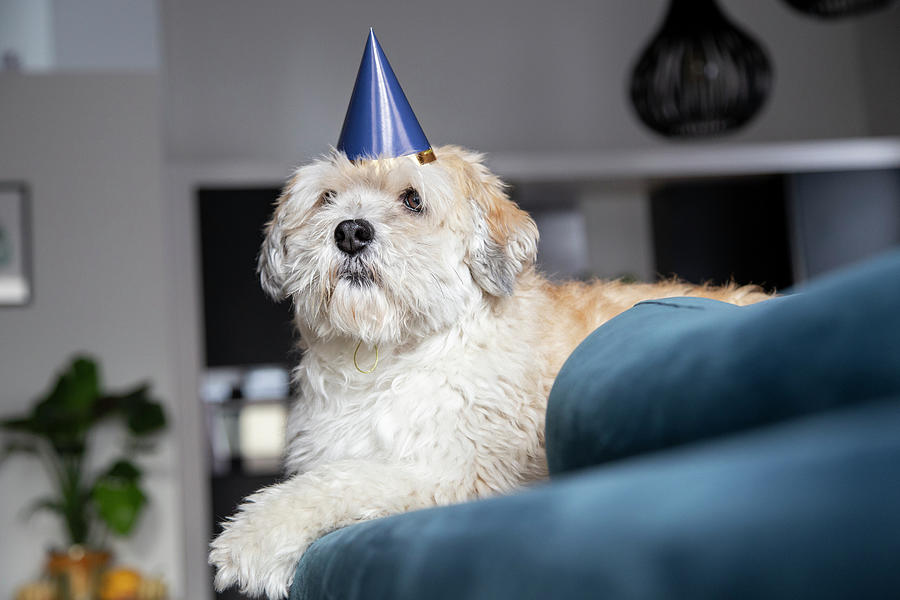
700, 75
835, 9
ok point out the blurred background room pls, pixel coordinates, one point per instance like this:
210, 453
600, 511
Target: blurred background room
144, 142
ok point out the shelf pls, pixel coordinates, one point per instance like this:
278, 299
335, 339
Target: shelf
700, 160
674, 160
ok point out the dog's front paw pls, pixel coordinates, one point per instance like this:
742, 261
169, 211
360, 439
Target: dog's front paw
256, 554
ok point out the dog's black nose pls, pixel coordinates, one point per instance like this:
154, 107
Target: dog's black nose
353, 236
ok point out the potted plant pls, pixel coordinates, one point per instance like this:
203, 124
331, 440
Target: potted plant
90, 502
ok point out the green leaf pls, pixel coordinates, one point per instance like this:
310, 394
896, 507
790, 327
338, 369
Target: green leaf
124, 469
118, 497
22, 424
65, 414
142, 414
77, 388
146, 418
111, 404
47, 503
119, 503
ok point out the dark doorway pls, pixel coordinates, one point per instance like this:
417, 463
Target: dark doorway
722, 230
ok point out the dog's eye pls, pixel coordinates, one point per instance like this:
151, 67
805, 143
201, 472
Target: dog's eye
327, 196
411, 200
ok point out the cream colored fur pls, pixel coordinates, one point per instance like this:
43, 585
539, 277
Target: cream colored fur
469, 338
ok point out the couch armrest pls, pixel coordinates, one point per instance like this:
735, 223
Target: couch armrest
674, 371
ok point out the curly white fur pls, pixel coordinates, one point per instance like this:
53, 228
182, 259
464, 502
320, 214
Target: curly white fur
470, 339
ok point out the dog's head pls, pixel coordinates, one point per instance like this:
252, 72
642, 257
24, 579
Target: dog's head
388, 250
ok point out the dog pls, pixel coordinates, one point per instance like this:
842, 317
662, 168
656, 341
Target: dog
430, 343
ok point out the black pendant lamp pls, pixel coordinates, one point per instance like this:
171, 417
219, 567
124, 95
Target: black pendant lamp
834, 9
700, 75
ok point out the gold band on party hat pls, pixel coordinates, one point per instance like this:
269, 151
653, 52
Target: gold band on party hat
426, 157
423, 158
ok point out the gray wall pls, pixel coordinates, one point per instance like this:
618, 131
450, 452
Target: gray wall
26, 30
879, 37
106, 34
89, 148
270, 80
842, 218
59, 35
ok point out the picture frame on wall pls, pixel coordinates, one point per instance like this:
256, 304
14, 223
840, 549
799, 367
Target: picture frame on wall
15, 276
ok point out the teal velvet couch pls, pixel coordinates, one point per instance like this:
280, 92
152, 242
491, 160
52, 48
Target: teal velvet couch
697, 450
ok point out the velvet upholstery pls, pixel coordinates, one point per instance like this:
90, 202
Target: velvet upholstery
699, 450
673, 371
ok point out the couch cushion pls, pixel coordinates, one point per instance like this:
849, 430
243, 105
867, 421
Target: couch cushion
804, 509
673, 371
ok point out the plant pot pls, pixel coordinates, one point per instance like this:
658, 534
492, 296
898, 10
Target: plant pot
77, 572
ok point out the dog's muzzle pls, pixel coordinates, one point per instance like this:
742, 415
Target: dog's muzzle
352, 236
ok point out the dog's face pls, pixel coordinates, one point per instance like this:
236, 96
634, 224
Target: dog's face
390, 250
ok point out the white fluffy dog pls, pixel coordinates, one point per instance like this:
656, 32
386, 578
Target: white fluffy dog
426, 270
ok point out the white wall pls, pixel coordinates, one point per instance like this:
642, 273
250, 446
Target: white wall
89, 149
271, 79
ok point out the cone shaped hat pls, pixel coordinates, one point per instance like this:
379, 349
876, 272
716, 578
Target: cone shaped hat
380, 121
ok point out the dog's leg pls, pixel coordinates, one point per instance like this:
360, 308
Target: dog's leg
261, 544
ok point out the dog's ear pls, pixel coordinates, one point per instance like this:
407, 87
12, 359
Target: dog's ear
271, 262
505, 237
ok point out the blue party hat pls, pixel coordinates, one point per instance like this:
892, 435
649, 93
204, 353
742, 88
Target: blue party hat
380, 121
